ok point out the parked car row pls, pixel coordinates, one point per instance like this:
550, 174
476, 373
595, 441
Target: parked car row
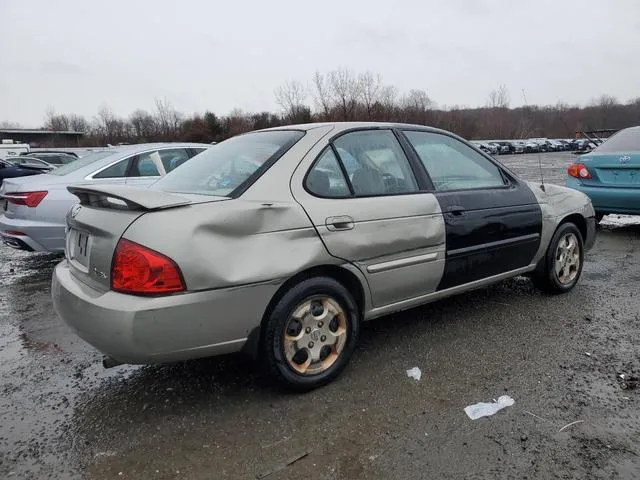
534, 145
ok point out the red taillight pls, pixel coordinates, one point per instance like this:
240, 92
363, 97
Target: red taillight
29, 199
578, 170
140, 270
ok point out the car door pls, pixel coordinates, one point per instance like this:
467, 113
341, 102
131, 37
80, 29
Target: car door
493, 220
147, 167
370, 208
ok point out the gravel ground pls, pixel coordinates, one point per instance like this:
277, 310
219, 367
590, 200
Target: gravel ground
62, 416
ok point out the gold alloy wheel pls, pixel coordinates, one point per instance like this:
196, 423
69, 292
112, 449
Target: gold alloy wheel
315, 335
567, 259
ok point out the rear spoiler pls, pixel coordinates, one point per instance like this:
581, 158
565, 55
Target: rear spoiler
115, 196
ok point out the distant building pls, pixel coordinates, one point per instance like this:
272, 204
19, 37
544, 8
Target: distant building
41, 138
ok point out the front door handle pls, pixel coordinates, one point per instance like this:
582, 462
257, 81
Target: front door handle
342, 222
455, 210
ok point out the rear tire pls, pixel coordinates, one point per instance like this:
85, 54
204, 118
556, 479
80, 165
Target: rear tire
561, 267
311, 334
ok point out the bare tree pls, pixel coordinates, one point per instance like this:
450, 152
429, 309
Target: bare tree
78, 123
291, 96
499, 98
389, 99
345, 91
415, 105
168, 118
7, 124
143, 125
370, 91
109, 127
418, 100
54, 121
321, 94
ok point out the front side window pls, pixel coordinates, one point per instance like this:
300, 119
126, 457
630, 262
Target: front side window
230, 165
325, 179
375, 163
453, 165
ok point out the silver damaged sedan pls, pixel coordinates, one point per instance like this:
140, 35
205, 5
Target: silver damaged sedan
280, 242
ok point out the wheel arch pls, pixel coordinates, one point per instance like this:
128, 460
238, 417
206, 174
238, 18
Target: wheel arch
579, 221
344, 276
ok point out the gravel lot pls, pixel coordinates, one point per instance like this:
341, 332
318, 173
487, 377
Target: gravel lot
63, 416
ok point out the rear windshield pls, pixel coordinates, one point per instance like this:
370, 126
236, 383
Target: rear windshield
82, 162
230, 165
627, 140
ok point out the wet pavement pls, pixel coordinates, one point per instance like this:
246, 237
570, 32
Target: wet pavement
63, 416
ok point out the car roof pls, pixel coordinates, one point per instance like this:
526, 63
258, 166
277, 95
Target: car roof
341, 126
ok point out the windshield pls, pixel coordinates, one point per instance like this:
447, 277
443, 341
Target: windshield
229, 165
627, 140
82, 162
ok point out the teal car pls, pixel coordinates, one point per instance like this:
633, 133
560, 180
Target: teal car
610, 174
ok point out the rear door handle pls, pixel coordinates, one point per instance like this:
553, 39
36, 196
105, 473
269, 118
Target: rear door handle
455, 210
342, 222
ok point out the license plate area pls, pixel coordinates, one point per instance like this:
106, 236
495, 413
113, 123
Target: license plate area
79, 249
619, 176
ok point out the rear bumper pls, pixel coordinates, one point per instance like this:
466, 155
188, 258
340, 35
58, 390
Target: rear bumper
140, 330
36, 236
610, 199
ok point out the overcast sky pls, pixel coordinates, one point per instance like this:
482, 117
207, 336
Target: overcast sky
76, 55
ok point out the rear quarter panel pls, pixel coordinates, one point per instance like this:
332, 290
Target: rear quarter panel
262, 236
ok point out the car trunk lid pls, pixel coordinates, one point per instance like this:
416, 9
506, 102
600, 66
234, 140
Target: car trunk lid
613, 169
96, 224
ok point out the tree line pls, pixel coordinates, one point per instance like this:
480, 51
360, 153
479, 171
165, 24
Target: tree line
343, 95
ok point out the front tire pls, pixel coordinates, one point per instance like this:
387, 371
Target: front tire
311, 334
561, 267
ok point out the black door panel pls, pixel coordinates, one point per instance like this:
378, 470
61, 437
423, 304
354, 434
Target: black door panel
489, 232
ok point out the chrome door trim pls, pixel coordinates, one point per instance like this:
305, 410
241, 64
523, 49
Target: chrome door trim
403, 262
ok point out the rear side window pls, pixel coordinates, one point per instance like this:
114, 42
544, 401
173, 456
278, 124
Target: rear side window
325, 179
146, 165
231, 166
453, 165
375, 163
117, 170
173, 158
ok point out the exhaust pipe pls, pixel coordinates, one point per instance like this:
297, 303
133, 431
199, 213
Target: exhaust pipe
108, 362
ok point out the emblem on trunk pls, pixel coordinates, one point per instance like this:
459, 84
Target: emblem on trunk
75, 210
625, 159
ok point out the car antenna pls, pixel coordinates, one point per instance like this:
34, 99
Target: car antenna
541, 175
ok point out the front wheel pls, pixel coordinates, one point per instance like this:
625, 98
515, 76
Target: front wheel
311, 333
560, 269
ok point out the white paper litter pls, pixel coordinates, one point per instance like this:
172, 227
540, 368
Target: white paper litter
483, 409
414, 373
